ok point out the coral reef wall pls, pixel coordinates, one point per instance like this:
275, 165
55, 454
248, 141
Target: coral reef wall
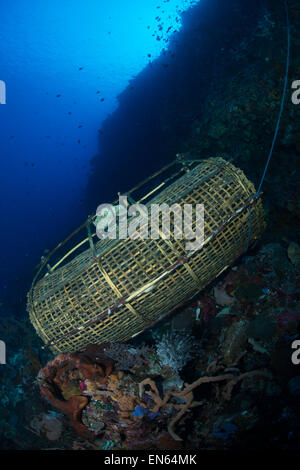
159, 108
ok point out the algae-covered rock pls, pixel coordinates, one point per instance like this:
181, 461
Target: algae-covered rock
235, 342
248, 292
294, 386
294, 254
262, 328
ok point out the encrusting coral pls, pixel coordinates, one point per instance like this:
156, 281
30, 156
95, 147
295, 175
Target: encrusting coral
60, 377
130, 410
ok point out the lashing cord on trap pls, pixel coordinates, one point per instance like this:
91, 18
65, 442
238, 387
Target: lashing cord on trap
257, 194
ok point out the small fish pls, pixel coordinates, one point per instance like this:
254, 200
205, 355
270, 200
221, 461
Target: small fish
80, 68
58, 96
80, 126
102, 99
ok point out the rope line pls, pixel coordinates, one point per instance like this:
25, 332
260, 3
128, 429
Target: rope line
282, 99
256, 195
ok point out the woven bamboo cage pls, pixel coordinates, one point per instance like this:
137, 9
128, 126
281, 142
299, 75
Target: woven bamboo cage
111, 290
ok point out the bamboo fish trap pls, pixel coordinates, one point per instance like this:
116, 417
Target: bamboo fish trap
93, 291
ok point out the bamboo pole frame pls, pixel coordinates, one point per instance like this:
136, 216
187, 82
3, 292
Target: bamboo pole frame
116, 289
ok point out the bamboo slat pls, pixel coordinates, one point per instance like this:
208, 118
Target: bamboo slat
116, 289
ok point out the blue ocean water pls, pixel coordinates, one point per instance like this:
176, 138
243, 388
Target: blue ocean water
64, 64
